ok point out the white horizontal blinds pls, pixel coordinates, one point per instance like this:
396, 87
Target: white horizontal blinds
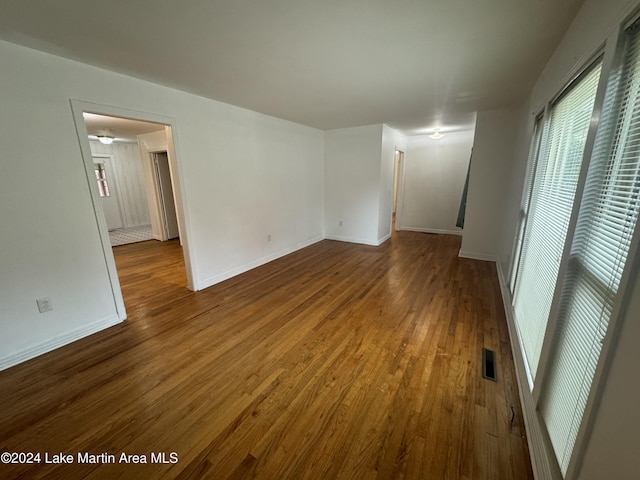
606, 222
550, 210
526, 197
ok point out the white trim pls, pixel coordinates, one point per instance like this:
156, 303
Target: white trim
87, 157
208, 282
77, 108
151, 182
352, 240
607, 58
57, 342
384, 239
542, 459
400, 192
487, 257
439, 231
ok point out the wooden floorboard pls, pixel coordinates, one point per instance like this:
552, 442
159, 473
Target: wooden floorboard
339, 361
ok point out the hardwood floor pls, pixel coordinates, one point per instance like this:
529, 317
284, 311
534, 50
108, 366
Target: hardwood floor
337, 361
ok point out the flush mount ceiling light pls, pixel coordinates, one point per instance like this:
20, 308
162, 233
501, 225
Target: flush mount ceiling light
105, 139
436, 135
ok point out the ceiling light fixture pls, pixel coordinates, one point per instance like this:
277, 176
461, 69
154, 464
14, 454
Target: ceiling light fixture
105, 139
436, 135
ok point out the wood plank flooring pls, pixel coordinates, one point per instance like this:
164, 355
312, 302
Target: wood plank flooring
339, 361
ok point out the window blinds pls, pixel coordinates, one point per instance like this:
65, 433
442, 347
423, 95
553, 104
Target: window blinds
526, 197
599, 250
552, 197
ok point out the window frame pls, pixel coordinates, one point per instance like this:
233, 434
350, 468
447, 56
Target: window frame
612, 53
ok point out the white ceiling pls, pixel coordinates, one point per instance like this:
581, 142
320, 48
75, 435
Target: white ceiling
412, 64
122, 129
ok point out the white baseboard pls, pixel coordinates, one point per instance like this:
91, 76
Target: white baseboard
542, 460
353, 240
478, 256
431, 230
384, 239
57, 342
208, 282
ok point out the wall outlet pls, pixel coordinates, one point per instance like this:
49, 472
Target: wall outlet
44, 304
269, 238
340, 223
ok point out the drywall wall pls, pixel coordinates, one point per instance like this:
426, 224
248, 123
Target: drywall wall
391, 140
352, 184
434, 175
493, 151
514, 185
129, 176
245, 176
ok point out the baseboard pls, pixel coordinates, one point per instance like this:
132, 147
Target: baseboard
57, 342
353, 240
384, 239
431, 230
208, 282
478, 256
542, 460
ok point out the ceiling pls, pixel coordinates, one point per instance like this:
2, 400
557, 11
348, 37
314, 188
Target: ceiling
412, 64
122, 129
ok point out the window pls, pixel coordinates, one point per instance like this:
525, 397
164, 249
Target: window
599, 249
101, 178
526, 198
554, 187
568, 272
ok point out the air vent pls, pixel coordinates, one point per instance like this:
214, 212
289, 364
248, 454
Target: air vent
488, 364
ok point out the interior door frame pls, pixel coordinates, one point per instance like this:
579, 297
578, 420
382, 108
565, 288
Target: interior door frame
400, 193
78, 107
160, 193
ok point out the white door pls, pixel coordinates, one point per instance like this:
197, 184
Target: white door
107, 190
165, 191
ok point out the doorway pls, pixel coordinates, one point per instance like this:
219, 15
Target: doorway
165, 196
398, 162
166, 171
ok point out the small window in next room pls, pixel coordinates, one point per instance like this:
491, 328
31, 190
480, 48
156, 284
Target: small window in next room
101, 178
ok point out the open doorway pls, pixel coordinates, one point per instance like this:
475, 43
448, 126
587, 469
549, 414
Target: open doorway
164, 195
134, 177
397, 175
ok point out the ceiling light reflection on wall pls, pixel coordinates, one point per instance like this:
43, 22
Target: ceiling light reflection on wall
436, 135
105, 139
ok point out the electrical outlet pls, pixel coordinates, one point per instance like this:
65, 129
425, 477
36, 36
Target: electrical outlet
340, 223
269, 238
44, 304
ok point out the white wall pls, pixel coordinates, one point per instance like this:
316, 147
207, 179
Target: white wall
352, 183
245, 176
514, 185
434, 176
129, 177
493, 155
391, 140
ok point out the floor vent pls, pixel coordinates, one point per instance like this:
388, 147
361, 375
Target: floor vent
488, 364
